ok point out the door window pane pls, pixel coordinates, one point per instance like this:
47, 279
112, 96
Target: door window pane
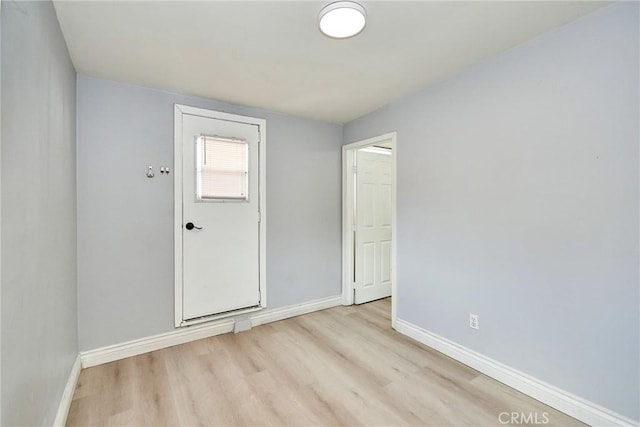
221, 168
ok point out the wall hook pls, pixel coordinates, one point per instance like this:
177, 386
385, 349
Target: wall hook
150, 173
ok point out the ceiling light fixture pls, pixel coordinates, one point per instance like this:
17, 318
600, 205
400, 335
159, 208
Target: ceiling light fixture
342, 19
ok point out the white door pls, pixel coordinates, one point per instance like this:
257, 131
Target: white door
220, 216
373, 201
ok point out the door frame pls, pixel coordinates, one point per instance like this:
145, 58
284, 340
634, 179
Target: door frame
348, 205
179, 111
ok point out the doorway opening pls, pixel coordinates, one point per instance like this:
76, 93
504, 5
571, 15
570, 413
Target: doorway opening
369, 221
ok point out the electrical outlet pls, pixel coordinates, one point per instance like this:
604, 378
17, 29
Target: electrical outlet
474, 321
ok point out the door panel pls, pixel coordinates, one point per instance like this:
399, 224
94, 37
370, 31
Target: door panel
385, 267
220, 261
369, 264
373, 226
385, 203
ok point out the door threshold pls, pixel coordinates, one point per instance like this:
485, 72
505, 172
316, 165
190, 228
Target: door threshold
218, 316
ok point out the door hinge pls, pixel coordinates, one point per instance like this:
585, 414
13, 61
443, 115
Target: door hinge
354, 169
259, 216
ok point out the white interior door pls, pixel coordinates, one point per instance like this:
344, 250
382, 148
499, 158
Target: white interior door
373, 200
220, 216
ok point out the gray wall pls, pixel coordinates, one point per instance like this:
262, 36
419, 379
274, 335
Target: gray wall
1, 9
125, 220
39, 299
518, 201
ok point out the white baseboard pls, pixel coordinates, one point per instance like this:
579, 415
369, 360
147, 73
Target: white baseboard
268, 316
192, 333
67, 394
156, 342
577, 407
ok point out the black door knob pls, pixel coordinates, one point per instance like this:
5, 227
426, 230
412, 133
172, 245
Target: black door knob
190, 226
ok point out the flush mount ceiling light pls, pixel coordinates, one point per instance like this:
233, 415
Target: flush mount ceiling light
342, 19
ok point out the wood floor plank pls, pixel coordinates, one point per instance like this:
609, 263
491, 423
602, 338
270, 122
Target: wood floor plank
343, 366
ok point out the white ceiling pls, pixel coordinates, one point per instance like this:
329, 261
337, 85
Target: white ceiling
270, 54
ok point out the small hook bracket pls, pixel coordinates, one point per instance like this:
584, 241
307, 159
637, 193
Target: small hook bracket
150, 173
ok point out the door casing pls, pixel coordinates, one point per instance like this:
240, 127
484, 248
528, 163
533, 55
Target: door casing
348, 207
179, 111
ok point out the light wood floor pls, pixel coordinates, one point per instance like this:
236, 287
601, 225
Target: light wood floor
342, 366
